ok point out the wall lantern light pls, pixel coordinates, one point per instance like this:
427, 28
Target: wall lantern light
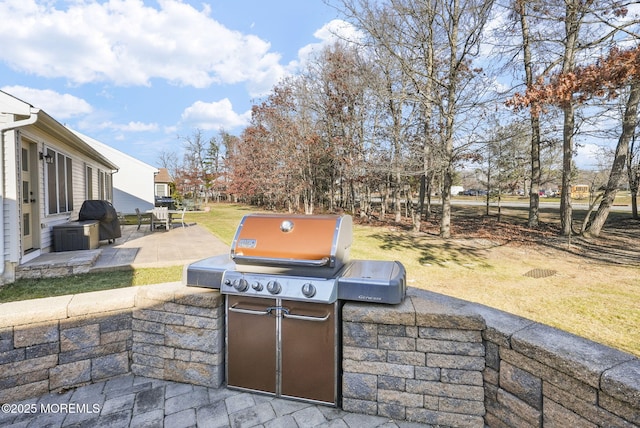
47, 158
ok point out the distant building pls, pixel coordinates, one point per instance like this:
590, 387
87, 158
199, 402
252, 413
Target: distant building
133, 185
162, 182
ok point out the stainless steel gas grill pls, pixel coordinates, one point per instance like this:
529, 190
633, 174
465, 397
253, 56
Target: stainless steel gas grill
285, 279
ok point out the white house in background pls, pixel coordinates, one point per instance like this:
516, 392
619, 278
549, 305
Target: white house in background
163, 182
46, 173
133, 185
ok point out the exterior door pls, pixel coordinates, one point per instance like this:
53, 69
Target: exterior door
28, 196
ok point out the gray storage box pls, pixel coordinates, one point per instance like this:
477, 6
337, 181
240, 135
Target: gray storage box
76, 235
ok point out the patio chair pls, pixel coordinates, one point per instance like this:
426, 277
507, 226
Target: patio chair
142, 218
160, 217
184, 210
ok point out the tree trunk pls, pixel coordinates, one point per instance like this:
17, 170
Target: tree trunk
633, 172
628, 128
566, 211
445, 221
429, 187
534, 193
534, 196
572, 26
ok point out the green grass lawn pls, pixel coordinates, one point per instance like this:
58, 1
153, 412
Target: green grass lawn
24, 289
590, 298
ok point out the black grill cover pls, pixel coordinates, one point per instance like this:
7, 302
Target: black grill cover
109, 227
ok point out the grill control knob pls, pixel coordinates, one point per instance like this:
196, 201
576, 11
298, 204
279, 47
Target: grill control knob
274, 287
309, 290
257, 286
240, 284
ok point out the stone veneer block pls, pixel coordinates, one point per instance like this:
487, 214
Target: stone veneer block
579, 357
109, 366
77, 338
199, 297
623, 382
524, 385
446, 313
500, 326
34, 311
400, 314
35, 334
208, 375
70, 375
119, 299
176, 292
519, 412
160, 292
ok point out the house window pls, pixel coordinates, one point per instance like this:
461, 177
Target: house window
59, 183
105, 185
161, 190
89, 182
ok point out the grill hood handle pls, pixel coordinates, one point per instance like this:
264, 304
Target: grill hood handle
280, 262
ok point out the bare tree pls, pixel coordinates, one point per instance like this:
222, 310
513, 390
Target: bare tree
195, 176
168, 160
434, 43
629, 123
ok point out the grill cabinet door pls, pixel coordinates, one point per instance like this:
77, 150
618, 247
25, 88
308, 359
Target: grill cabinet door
309, 351
251, 344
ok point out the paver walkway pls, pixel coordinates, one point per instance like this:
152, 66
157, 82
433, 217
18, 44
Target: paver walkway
135, 402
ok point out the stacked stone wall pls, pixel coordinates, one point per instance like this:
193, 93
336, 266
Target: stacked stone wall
432, 359
179, 336
540, 376
63, 342
418, 361
165, 331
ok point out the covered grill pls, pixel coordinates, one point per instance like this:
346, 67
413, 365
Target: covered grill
285, 279
105, 213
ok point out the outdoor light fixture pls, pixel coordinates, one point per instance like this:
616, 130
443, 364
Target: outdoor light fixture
47, 158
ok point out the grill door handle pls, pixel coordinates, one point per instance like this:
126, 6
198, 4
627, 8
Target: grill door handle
306, 317
248, 311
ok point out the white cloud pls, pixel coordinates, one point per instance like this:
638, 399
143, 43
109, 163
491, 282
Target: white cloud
59, 106
328, 34
127, 42
130, 127
214, 116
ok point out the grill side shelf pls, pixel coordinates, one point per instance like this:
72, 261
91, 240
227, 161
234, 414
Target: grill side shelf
373, 281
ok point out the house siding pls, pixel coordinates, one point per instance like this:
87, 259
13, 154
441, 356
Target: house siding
133, 184
79, 186
11, 206
7, 193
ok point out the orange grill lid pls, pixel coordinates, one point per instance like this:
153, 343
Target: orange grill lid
265, 238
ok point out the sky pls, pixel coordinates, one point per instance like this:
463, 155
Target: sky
142, 75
